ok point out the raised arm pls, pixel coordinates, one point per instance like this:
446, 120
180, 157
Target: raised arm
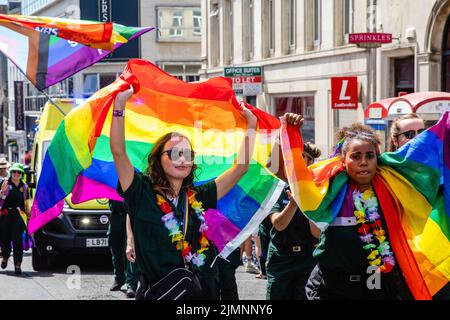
226, 181
124, 168
281, 220
296, 120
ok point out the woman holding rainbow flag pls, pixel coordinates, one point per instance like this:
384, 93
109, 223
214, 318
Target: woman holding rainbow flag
383, 218
13, 220
161, 199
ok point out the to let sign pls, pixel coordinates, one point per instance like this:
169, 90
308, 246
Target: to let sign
344, 93
246, 81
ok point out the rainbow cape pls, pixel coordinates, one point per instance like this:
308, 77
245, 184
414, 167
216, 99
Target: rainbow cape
79, 159
49, 50
413, 190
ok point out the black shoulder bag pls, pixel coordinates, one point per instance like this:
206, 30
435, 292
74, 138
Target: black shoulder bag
180, 283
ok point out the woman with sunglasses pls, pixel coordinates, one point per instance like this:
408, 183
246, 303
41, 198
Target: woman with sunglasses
163, 202
13, 194
405, 129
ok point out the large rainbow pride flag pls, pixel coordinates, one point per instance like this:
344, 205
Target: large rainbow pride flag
79, 159
413, 189
49, 50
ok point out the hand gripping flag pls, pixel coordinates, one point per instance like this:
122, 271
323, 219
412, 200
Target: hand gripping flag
79, 159
49, 50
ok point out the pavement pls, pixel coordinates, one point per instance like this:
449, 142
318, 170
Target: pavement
89, 278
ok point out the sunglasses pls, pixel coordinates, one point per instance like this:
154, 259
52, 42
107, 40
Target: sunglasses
411, 133
176, 153
16, 172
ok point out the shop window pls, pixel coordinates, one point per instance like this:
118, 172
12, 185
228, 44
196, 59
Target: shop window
404, 75
299, 105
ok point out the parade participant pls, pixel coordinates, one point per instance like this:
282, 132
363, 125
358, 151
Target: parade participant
293, 237
247, 248
343, 256
159, 199
263, 248
227, 275
13, 194
4, 174
404, 129
125, 272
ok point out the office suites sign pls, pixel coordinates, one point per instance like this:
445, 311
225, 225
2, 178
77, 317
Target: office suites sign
344, 93
246, 81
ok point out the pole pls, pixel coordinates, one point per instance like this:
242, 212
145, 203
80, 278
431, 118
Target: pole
53, 102
372, 27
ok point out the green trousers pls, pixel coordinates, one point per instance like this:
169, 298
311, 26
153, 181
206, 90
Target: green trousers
124, 271
287, 274
227, 276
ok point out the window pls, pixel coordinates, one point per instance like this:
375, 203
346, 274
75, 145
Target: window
228, 33
300, 105
197, 23
292, 11
90, 84
271, 28
404, 75
214, 34
316, 22
248, 30
179, 24
347, 17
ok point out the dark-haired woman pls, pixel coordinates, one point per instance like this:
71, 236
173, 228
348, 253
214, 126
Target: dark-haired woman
160, 200
346, 259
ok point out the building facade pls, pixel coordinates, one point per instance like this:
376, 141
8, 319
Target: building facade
176, 49
301, 44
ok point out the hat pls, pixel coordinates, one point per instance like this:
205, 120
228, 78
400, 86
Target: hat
3, 163
17, 167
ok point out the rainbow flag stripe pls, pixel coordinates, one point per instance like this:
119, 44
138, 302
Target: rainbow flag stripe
413, 189
79, 160
48, 50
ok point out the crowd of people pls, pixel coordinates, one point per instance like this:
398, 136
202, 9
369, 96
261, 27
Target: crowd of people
160, 226
299, 260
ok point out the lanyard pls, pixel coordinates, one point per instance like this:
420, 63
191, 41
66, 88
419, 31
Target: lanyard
186, 217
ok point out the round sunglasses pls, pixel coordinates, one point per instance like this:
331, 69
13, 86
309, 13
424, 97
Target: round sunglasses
410, 133
14, 171
176, 153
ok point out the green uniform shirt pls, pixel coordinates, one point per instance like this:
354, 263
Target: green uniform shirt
155, 252
340, 247
297, 233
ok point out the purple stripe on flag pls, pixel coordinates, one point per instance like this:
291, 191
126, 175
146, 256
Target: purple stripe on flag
40, 219
220, 230
87, 189
81, 59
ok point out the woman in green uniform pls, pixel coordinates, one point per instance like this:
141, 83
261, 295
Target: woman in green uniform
13, 194
342, 270
289, 258
167, 186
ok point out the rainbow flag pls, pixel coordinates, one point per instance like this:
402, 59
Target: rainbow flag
413, 189
79, 159
49, 50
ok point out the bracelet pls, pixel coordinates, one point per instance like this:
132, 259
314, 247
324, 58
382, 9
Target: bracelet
118, 113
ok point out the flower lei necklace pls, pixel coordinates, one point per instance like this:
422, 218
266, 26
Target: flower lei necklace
172, 224
367, 215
